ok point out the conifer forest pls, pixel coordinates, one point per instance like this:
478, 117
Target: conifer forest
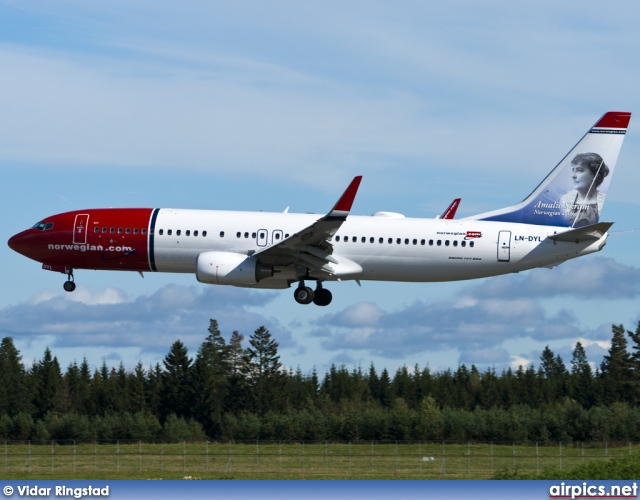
239, 390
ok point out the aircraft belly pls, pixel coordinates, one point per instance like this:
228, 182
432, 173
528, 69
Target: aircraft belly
417, 269
176, 259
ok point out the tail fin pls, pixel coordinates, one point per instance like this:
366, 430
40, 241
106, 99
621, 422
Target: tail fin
573, 194
451, 210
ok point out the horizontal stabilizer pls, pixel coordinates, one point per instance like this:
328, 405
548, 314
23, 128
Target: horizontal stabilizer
593, 232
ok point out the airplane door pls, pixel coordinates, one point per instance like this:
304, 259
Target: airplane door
504, 246
276, 237
263, 236
80, 229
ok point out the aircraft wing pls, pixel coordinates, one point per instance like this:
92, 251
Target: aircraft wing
310, 247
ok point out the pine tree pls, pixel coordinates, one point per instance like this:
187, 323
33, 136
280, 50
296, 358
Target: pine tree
617, 369
265, 378
374, 383
236, 400
136, 389
635, 361
72, 381
47, 383
385, 394
581, 378
176, 396
210, 379
86, 404
14, 388
553, 376
121, 384
154, 389
403, 387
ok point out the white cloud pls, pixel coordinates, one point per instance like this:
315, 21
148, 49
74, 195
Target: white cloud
150, 323
481, 319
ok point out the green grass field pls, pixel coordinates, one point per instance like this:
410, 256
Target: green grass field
275, 460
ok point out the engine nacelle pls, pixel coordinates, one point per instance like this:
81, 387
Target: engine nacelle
226, 268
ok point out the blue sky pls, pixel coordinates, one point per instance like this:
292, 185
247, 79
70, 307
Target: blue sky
263, 105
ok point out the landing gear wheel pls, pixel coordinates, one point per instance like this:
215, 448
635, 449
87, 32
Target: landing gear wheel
69, 285
303, 295
322, 297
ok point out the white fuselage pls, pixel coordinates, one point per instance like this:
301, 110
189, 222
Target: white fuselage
385, 248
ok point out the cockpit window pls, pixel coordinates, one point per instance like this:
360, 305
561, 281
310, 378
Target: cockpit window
43, 226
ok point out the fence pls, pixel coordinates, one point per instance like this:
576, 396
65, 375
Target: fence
297, 459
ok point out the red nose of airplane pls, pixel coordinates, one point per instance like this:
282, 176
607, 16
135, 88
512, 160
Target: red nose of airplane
20, 243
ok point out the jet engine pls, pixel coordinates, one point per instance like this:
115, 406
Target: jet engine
226, 268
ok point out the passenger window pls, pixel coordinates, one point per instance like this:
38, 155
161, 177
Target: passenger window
390, 240
471, 244
381, 240
195, 233
463, 243
161, 231
144, 230
254, 235
430, 243
277, 236
204, 234
187, 232
128, 230
398, 241
406, 241
238, 234
169, 232
104, 230
337, 238
439, 242
446, 243
178, 232
112, 230
246, 235
364, 239
415, 242
422, 242
455, 243
354, 239
119, 230
96, 229
221, 234
135, 230
286, 235
371, 240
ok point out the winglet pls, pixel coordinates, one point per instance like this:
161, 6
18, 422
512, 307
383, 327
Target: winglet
343, 206
450, 212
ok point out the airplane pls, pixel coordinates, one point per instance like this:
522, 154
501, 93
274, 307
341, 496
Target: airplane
558, 221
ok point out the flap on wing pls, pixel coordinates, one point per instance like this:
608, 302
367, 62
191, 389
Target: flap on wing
593, 232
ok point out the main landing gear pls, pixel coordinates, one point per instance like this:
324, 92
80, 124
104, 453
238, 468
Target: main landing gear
69, 285
304, 295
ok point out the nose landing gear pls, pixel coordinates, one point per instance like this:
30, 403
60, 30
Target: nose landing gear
304, 295
69, 285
